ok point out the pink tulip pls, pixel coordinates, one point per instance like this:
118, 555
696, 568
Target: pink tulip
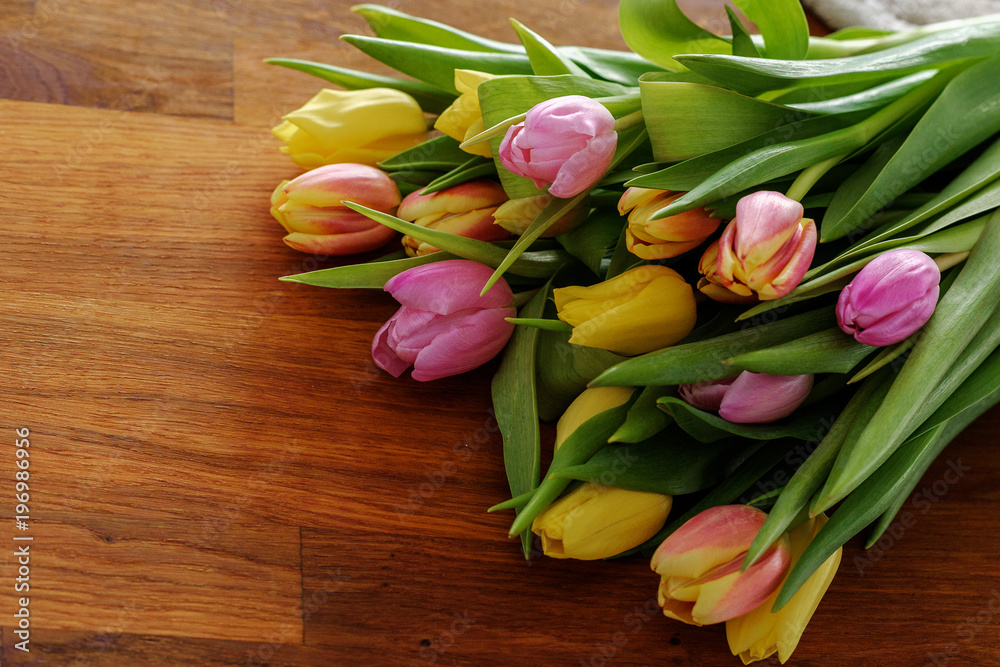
566, 141
893, 296
750, 398
444, 327
699, 566
309, 208
767, 247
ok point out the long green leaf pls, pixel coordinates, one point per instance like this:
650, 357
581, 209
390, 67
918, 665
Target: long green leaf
592, 240
564, 370
755, 75
436, 65
545, 59
703, 360
829, 351
677, 114
963, 116
430, 99
438, 154
516, 406
645, 419
390, 23
804, 424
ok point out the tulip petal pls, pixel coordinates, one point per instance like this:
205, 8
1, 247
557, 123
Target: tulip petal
589, 403
468, 196
760, 398
383, 354
448, 286
800, 259
341, 244
331, 184
710, 538
585, 167
468, 344
738, 592
766, 221
322, 221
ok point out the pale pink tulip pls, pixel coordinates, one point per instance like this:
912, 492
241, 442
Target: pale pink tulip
566, 141
767, 247
893, 296
444, 327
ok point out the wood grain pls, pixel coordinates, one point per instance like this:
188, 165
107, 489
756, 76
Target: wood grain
220, 475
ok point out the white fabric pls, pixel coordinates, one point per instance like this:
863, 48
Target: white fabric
897, 14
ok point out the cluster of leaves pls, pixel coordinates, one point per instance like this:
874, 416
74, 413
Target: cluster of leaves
894, 135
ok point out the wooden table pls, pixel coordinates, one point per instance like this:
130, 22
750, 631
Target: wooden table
221, 476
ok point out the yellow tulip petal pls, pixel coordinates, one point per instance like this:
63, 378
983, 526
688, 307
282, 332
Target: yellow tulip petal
590, 402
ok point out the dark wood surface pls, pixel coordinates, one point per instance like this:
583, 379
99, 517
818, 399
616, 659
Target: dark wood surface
220, 475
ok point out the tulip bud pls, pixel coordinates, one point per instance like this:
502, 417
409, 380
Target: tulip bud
590, 402
309, 208
463, 210
597, 521
644, 309
464, 118
665, 237
767, 247
761, 633
363, 126
699, 566
566, 141
750, 398
444, 327
517, 214
893, 296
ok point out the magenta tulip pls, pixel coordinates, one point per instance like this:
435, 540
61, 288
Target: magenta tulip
749, 398
767, 248
444, 327
893, 296
566, 141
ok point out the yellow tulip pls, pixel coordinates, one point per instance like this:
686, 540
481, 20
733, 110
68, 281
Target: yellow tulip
644, 309
517, 214
591, 402
760, 634
361, 126
597, 521
464, 119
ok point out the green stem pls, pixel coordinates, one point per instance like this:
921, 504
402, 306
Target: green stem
630, 120
809, 176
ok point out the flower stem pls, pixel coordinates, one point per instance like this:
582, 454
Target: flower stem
809, 176
630, 120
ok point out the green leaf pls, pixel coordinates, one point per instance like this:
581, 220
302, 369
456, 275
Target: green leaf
542, 265
645, 419
964, 329
965, 114
430, 99
893, 480
516, 406
373, 275
703, 360
870, 97
677, 115
438, 154
389, 23
772, 162
545, 59
475, 167
591, 241
577, 448
672, 465
753, 76
727, 491
804, 424
742, 41
814, 470
828, 351
691, 173
659, 30
436, 65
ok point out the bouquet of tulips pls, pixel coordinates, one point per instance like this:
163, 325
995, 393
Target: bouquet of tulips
744, 273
